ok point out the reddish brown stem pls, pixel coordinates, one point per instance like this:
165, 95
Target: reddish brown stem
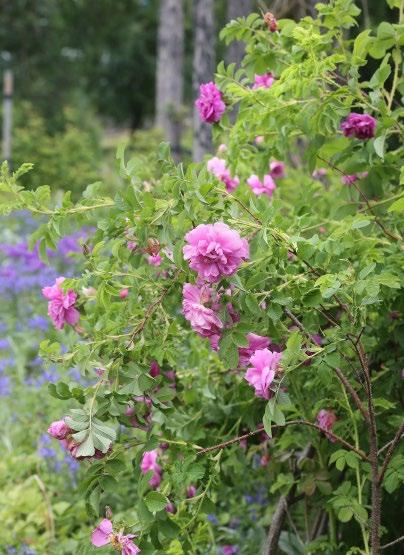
336, 438
389, 453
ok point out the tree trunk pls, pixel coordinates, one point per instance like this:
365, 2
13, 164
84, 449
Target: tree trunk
169, 78
237, 8
203, 69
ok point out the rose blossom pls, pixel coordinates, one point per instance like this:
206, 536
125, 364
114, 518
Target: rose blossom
59, 429
170, 508
255, 342
215, 251
360, 126
271, 22
210, 103
222, 148
61, 305
104, 534
277, 169
131, 245
217, 166
123, 293
259, 139
263, 81
265, 363
154, 260
229, 549
203, 320
326, 420
351, 178
319, 173
149, 462
265, 187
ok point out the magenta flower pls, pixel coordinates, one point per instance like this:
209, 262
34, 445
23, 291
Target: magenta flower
104, 534
229, 549
319, 173
191, 492
123, 293
170, 508
255, 342
360, 126
203, 320
59, 429
61, 305
132, 245
277, 169
265, 364
154, 369
210, 103
263, 81
215, 251
154, 260
351, 178
149, 462
326, 420
265, 187
217, 166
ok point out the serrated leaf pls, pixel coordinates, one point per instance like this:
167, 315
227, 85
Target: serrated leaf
155, 501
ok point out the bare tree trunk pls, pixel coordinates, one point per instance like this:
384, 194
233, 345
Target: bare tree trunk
169, 78
237, 8
203, 68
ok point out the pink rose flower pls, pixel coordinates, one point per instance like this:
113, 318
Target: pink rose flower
326, 420
123, 293
277, 169
210, 103
215, 251
149, 462
61, 305
265, 187
263, 81
203, 320
265, 364
59, 429
259, 139
217, 166
255, 342
222, 148
360, 126
104, 534
350, 179
229, 549
154, 260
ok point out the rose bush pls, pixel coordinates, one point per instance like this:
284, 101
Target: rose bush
275, 415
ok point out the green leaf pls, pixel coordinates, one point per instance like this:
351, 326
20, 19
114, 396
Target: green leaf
345, 514
155, 501
378, 145
397, 206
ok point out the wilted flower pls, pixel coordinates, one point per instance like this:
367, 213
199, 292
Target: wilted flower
59, 429
215, 251
210, 103
360, 126
326, 420
271, 22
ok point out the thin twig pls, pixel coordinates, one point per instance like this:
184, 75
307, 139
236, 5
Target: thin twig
394, 542
276, 426
365, 199
389, 454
